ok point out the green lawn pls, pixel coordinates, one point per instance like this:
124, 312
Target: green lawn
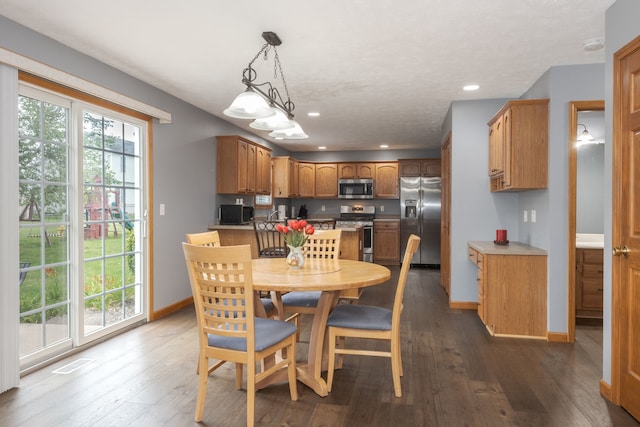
55, 277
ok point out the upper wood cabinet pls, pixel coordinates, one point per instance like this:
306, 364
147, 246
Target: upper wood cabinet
419, 167
306, 179
263, 170
285, 175
326, 180
518, 146
356, 170
386, 181
241, 166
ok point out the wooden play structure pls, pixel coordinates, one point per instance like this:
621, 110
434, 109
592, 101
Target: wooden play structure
103, 213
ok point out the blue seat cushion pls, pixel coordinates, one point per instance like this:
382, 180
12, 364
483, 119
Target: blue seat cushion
268, 304
301, 299
268, 332
355, 316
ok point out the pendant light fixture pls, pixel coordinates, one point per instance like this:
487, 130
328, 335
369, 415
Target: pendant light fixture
263, 102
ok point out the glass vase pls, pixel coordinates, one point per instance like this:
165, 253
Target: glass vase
295, 258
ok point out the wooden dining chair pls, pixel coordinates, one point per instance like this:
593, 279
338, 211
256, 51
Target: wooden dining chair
207, 238
228, 331
270, 241
212, 238
378, 323
323, 244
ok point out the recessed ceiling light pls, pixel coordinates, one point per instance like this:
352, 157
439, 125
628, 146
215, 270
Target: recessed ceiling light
471, 87
313, 114
384, 146
322, 148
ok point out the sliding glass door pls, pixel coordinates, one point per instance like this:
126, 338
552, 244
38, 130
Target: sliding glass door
82, 223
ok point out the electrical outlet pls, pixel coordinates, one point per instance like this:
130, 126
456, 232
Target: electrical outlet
381, 208
322, 209
525, 216
533, 215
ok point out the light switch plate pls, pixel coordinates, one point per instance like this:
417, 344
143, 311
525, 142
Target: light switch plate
525, 216
533, 215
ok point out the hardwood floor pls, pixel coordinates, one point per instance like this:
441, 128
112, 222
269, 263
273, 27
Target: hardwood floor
455, 374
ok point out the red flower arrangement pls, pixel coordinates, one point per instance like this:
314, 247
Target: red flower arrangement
296, 233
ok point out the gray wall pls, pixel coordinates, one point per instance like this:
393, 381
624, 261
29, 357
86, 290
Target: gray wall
590, 176
562, 85
475, 212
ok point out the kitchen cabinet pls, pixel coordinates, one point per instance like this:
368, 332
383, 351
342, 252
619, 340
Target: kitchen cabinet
356, 170
386, 242
326, 180
419, 167
285, 176
512, 288
518, 146
306, 179
386, 184
238, 170
263, 170
589, 283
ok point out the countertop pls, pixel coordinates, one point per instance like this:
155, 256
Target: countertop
589, 241
513, 248
250, 227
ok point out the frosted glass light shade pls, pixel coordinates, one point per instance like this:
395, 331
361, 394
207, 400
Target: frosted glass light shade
279, 121
249, 105
295, 132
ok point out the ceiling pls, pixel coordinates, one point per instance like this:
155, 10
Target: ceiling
377, 73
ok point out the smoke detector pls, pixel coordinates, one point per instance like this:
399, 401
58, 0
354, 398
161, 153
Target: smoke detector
591, 45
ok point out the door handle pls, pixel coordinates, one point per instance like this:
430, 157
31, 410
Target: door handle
617, 251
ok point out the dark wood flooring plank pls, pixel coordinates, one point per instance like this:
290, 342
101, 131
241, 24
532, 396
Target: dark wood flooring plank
455, 374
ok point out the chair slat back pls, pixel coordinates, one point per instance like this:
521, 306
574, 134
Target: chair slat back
412, 248
208, 238
222, 286
270, 241
324, 244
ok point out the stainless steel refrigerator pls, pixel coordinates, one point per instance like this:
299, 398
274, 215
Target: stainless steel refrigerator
420, 215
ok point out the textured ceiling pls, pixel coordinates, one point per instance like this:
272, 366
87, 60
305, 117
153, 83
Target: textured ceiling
378, 72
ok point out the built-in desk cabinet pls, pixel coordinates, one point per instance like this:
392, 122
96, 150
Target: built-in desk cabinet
589, 283
512, 288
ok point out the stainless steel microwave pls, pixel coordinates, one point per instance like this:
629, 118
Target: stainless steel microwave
355, 188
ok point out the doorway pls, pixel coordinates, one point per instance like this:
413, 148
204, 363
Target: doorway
585, 111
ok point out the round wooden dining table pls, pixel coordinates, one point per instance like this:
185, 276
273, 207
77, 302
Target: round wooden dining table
327, 275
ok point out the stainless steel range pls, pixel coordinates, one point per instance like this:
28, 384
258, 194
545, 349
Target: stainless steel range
358, 215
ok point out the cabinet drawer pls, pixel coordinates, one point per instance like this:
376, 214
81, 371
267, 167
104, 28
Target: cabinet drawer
592, 271
386, 225
592, 293
473, 255
592, 256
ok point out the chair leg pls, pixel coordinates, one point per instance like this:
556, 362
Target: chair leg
291, 367
332, 357
341, 344
251, 393
202, 387
396, 368
239, 376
